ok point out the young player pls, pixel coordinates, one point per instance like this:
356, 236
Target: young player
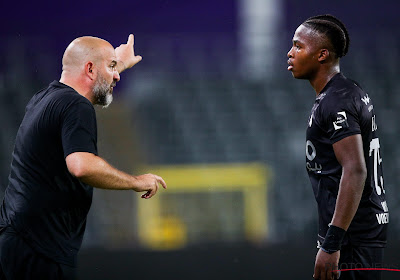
343, 157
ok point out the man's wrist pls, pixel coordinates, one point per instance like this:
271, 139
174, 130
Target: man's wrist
333, 239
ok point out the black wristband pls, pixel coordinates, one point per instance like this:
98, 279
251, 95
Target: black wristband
333, 239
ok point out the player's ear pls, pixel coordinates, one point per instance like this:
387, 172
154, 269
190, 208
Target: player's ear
323, 55
90, 70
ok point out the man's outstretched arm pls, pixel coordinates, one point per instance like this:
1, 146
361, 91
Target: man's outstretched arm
96, 172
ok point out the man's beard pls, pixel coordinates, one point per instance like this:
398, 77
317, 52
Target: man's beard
103, 92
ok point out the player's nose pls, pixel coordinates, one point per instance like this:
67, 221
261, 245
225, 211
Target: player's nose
290, 53
116, 76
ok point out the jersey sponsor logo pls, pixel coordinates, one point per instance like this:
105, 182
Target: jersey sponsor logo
316, 168
310, 120
366, 99
383, 218
311, 153
341, 120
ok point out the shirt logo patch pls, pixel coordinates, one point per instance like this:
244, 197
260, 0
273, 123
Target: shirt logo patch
341, 120
365, 99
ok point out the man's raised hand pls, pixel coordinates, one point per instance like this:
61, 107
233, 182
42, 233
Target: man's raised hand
126, 57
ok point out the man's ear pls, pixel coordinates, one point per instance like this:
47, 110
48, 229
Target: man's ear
90, 70
323, 55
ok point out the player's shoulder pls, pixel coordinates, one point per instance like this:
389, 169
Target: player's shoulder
343, 88
65, 97
340, 95
342, 92
63, 91
60, 99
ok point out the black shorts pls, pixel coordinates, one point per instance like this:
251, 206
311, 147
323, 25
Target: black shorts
354, 259
19, 261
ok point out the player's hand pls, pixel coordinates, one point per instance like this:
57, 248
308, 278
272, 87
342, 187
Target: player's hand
149, 183
126, 57
326, 266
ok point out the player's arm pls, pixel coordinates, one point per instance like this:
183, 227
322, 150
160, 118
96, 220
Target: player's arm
350, 155
96, 172
126, 57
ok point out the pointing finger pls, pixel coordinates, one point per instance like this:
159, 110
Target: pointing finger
161, 181
130, 40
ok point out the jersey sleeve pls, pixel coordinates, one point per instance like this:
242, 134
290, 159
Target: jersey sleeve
79, 129
341, 119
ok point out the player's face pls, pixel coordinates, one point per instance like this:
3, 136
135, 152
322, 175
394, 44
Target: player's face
303, 56
107, 78
102, 91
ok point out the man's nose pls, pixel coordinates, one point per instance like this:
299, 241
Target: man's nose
116, 75
289, 54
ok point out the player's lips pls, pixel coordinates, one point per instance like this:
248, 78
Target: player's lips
290, 67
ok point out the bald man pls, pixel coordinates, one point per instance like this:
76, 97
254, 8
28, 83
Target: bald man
55, 165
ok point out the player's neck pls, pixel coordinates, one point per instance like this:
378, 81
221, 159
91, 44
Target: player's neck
323, 77
79, 85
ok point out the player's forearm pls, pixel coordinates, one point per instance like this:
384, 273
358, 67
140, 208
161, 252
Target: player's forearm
349, 196
96, 172
102, 175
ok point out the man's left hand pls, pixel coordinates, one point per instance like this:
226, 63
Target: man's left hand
326, 266
126, 57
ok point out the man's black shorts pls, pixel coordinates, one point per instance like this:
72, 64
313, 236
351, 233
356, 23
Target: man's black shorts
356, 258
19, 261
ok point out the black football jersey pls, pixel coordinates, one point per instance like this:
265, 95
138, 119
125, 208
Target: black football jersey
343, 109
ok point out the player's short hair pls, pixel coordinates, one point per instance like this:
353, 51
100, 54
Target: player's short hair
333, 29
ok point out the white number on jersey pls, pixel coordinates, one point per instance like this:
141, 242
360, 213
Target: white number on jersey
374, 148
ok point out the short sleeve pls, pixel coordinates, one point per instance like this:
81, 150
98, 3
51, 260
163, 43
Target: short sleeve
79, 129
342, 119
